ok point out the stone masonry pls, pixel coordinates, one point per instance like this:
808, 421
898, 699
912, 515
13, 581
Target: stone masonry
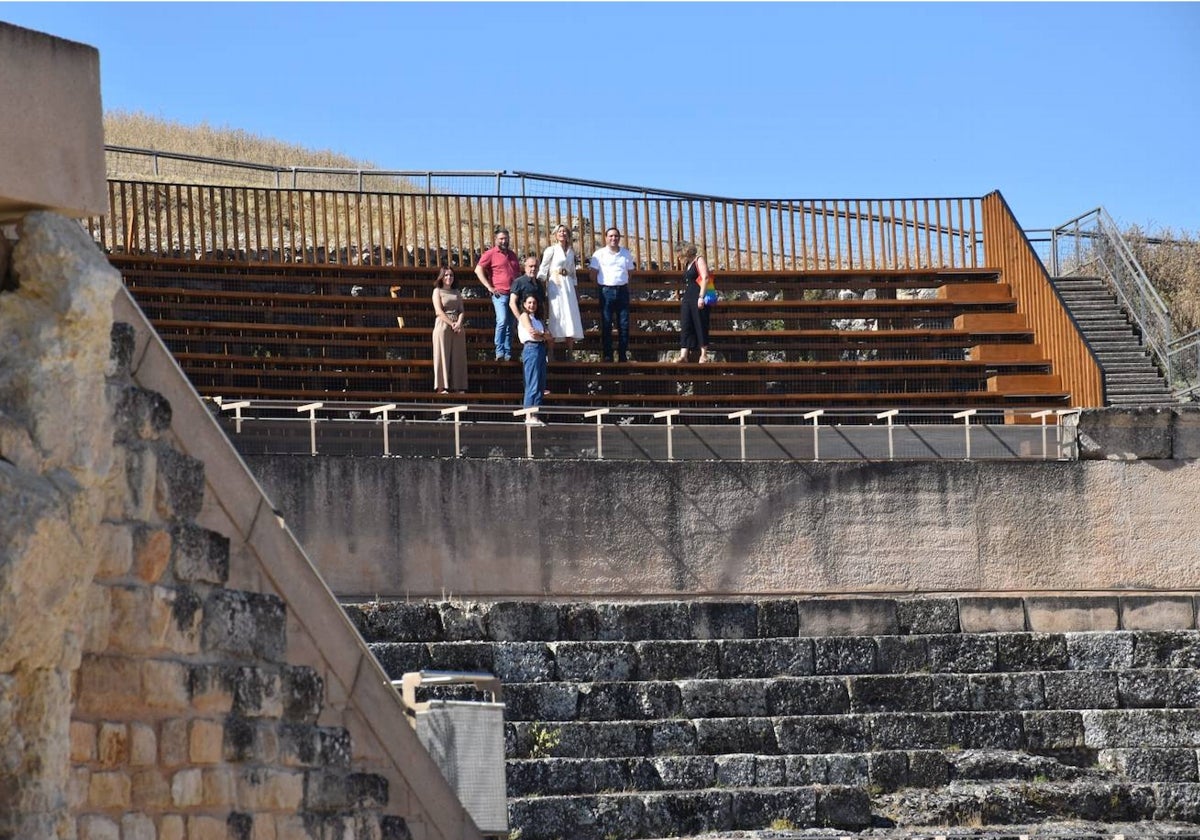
156, 683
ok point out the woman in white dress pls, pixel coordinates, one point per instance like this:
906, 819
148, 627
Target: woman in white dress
557, 269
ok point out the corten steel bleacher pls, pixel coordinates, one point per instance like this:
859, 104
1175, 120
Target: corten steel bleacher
256, 323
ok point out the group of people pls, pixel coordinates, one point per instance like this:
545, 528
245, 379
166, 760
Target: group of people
539, 299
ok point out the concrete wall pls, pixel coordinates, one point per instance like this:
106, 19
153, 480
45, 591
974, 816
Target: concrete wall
487, 528
52, 130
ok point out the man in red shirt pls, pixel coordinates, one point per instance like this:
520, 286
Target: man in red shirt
497, 269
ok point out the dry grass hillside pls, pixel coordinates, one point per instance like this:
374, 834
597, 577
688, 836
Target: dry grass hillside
139, 130
1171, 259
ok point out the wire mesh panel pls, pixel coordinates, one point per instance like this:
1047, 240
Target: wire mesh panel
633, 434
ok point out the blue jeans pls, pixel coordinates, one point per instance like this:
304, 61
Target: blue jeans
534, 358
504, 326
614, 304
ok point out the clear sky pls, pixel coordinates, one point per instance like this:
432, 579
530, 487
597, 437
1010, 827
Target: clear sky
1062, 107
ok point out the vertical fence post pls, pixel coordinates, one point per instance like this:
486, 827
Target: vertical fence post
741, 416
966, 416
598, 413
457, 411
530, 415
669, 413
1043, 415
384, 409
889, 414
813, 415
237, 411
311, 408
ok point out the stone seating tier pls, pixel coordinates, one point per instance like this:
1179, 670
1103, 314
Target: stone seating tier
676, 718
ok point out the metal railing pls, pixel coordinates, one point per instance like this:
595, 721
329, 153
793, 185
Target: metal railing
291, 427
265, 224
1092, 244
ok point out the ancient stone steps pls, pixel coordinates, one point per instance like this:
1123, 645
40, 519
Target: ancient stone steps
521, 662
857, 694
604, 816
659, 814
633, 720
1030, 731
883, 770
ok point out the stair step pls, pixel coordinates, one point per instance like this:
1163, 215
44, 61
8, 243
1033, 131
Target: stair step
884, 770
792, 656
686, 813
1076, 804
1024, 804
861, 694
847, 733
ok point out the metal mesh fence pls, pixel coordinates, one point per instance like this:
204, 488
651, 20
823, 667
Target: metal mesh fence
340, 429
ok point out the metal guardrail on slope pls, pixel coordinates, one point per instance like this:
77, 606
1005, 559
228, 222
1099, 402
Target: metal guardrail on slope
1092, 244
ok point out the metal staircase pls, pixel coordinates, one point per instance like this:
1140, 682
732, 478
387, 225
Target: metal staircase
1121, 314
1130, 375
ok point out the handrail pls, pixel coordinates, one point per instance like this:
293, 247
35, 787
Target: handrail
268, 224
1094, 242
1007, 248
857, 434
1184, 357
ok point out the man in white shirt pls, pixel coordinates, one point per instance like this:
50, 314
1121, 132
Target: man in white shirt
612, 265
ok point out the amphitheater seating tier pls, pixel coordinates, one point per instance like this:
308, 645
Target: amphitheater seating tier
676, 718
782, 340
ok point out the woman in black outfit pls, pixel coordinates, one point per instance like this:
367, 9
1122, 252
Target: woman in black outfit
693, 312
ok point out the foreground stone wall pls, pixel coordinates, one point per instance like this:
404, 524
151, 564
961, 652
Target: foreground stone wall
171, 665
498, 528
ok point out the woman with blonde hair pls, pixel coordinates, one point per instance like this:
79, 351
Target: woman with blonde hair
693, 309
557, 269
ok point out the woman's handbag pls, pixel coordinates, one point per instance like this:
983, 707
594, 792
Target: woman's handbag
710, 291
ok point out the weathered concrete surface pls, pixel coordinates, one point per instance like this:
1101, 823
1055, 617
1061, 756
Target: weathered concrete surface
397, 527
52, 133
1147, 433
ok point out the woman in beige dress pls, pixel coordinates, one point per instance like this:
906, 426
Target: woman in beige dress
557, 269
449, 336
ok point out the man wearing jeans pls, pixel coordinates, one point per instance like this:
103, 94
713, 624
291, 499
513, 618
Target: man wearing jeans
497, 268
612, 265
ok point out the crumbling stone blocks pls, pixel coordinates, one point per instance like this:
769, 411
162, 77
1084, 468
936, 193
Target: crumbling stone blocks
245, 624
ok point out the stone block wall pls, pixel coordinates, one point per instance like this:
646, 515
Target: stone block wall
171, 665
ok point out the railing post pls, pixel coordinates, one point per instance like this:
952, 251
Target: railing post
237, 411
966, 416
889, 414
311, 408
598, 413
384, 409
531, 411
669, 413
457, 411
1043, 414
741, 416
813, 415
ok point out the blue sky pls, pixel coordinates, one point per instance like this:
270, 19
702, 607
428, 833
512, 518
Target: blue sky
1061, 107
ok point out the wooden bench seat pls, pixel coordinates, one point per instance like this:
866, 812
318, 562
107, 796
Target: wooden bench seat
347, 310
782, 339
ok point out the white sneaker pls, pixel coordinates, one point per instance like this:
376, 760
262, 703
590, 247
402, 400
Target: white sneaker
531, 420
